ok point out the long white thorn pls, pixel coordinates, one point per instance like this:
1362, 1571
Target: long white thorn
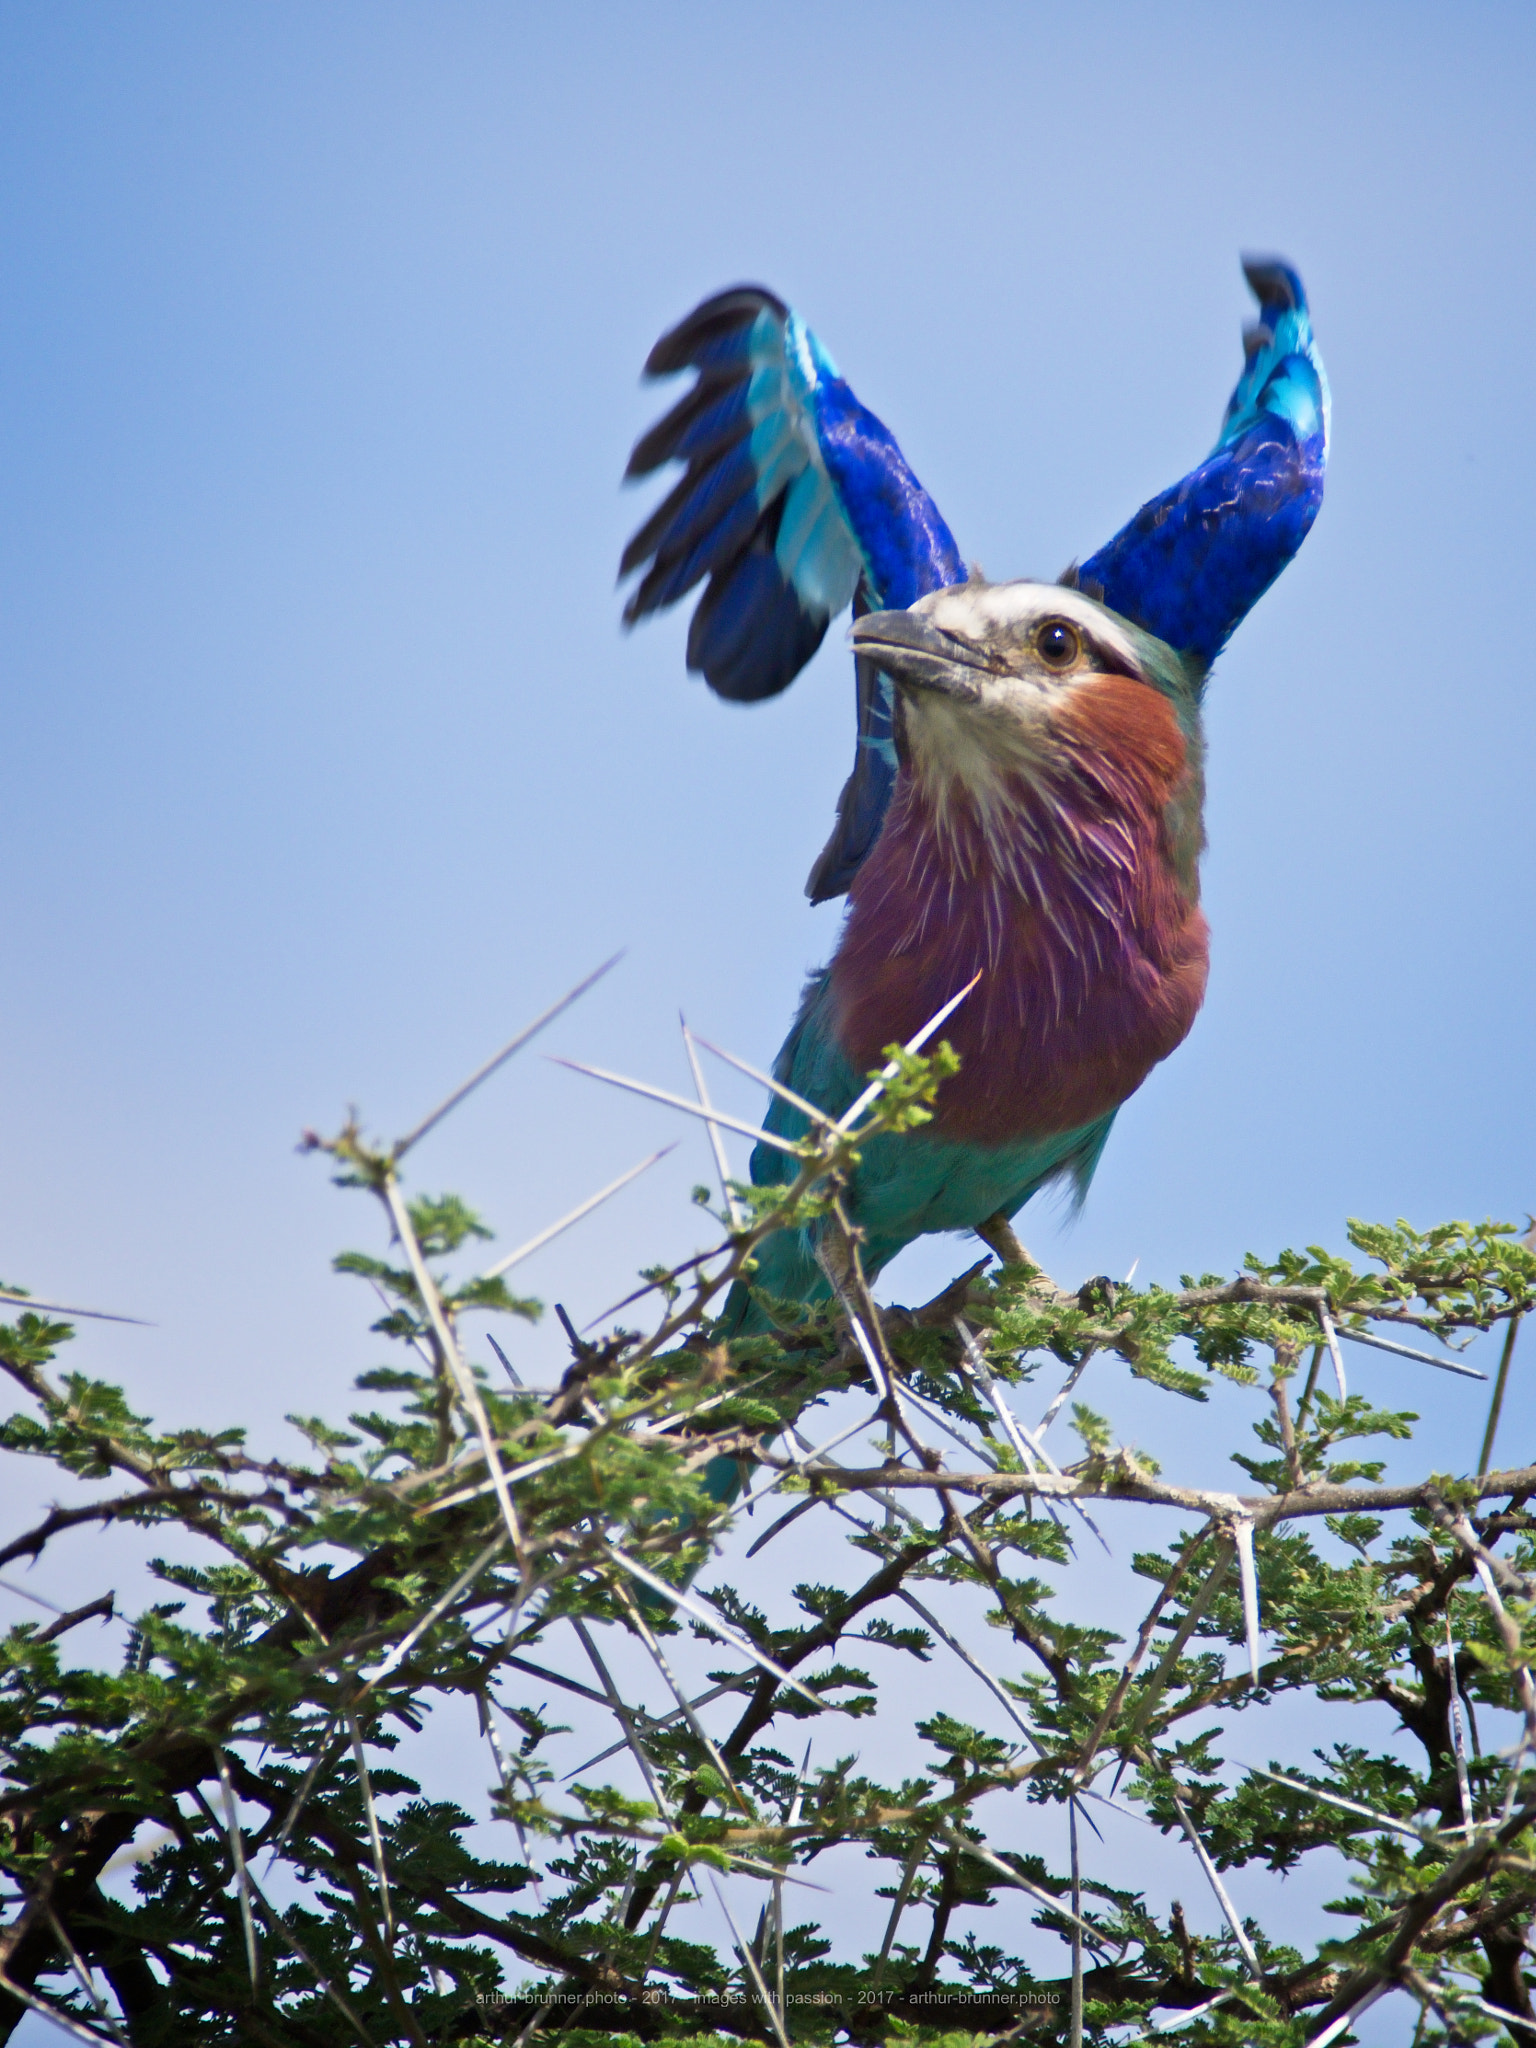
435, 1612
708, 1116
451, 1102
1242, 1536
1223, 1899
1032, 1452
1466, 1372
62, 2020
681, 1597
750, 1965
1331, 1337
57, 1308
887, 1074
774, 1086
1382, 1820
1184, 2019
458, 1372
237, 1858
375, 1835
1346, 2020
83, 1976
993, 1685
1458, 1732
1006, 1871
625, 1716
536, 1244
716, 1142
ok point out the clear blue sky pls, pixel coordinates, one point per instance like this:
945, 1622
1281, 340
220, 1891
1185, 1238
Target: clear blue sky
327, 763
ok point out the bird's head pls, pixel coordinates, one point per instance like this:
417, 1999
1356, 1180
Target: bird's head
998, 679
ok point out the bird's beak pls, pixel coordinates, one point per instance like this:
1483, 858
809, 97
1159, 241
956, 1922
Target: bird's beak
913, 651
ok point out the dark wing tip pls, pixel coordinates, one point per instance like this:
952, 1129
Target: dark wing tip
751, 635
1273, 282
738, 307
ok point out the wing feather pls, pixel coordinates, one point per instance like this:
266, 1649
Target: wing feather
1194, 560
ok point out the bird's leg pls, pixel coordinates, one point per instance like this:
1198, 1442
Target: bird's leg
997, 1234
834, 1254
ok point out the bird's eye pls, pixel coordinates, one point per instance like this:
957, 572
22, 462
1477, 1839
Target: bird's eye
1058, 644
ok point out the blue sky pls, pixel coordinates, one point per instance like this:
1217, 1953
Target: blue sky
328, 764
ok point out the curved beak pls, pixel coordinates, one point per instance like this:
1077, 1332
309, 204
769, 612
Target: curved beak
913, 651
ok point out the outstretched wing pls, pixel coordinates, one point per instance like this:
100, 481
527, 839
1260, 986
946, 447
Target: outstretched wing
1195, 560
794, 499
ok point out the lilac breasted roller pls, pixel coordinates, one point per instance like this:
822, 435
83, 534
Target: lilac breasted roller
1026, 796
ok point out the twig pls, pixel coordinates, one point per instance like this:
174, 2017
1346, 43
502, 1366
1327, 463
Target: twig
403, 1145
104, 1605
1134, 1662
1194, 1613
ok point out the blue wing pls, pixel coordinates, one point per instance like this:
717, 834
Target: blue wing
1195, 560
794, 501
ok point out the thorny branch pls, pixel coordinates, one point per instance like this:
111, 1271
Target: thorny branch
470, 1523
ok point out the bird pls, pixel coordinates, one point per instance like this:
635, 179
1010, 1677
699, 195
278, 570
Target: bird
1026, 799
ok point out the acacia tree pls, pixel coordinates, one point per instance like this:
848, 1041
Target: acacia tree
460, 1535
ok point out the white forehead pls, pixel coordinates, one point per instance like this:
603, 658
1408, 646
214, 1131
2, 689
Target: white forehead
987, 611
